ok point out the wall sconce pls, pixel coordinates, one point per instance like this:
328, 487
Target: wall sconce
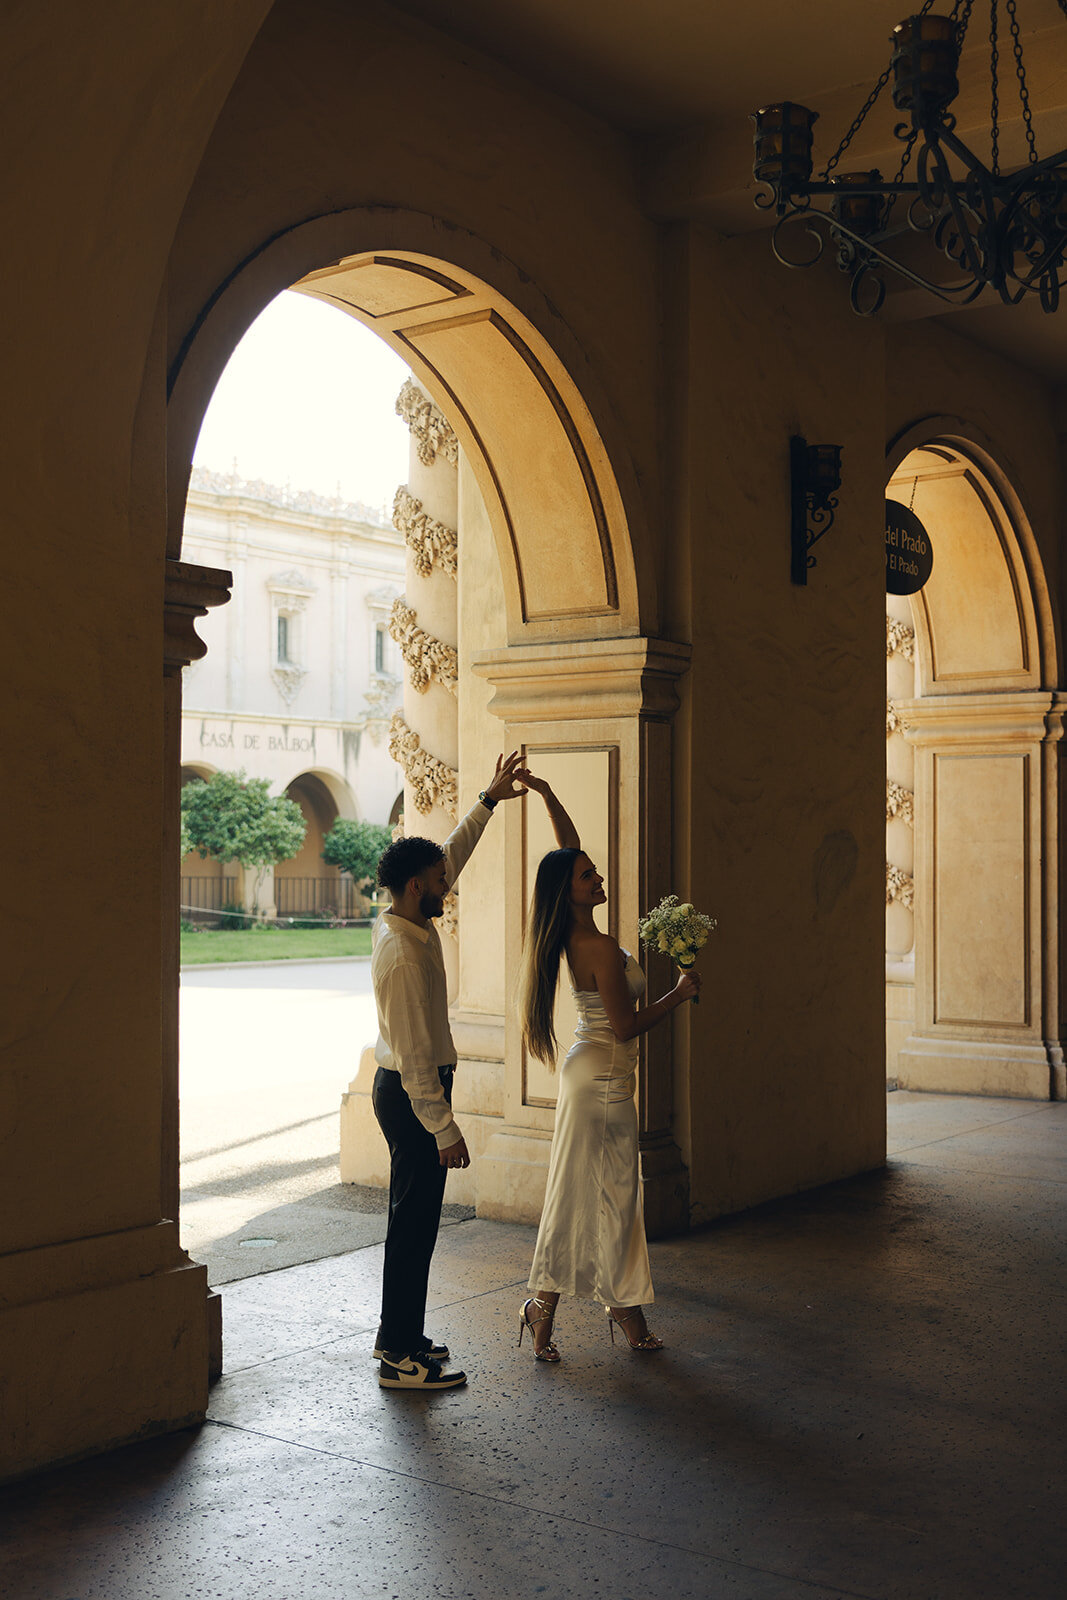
814, 477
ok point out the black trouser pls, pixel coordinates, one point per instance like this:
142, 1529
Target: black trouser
416, 1190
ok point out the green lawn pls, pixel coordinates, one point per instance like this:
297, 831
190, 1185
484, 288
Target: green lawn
283, 944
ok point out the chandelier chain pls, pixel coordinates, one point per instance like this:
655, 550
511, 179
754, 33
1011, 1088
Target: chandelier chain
994, 96
1020, 73
861, 115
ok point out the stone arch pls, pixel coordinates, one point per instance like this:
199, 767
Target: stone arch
305, 883
981, 727
570, 676
473, 331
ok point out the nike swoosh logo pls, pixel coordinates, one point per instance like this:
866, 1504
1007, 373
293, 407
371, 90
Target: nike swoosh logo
409, 1372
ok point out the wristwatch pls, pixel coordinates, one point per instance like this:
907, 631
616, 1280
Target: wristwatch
486, 798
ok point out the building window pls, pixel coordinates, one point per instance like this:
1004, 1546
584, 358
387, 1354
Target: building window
379, 648
284, 658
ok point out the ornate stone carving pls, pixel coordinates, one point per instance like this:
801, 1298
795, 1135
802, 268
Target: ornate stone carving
450, 915
231, 486
291, 590
288, 680
430, 542
431, 431
899, 639
899, 886
428, 659
899, 803
893, 723
432, 783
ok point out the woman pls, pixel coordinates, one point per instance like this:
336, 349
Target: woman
591, 1242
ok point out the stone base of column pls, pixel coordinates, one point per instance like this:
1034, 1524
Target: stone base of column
113, 1330
214, 1336
512, 1175
365, 1155
665, 1187
974, 1066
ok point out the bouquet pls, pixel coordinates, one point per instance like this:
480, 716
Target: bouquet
677, 931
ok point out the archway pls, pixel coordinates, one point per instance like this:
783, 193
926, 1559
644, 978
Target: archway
973, 730
305, 884
550, 633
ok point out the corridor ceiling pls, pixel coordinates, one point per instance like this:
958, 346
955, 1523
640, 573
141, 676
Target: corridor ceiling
682, 76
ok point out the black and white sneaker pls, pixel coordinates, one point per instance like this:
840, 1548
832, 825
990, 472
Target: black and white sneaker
416, 1372
430, 1352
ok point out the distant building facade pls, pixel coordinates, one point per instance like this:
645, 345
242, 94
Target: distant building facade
301, 677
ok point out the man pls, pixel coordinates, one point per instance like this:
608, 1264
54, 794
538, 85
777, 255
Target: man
412, 1095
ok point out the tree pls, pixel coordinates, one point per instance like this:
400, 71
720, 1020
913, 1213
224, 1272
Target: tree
355, 847
234, 818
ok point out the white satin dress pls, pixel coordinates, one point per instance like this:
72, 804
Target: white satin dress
591, 1241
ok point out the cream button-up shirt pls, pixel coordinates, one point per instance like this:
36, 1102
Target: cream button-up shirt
408, 972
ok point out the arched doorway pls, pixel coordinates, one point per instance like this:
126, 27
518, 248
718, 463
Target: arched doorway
551, 650
305, 884
973, 733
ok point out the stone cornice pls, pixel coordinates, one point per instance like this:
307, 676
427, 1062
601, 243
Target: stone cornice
585, 679
430, 429
223, 487
189, 592
1016, 717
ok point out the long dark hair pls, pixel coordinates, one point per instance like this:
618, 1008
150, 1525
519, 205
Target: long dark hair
546, 934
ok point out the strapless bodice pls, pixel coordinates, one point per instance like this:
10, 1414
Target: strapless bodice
593, 1026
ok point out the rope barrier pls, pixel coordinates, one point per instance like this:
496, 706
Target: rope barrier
281, 921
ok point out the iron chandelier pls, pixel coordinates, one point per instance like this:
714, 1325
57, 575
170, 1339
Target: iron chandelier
1001, 230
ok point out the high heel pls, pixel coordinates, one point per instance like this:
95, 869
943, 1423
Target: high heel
649, 1342
549, 1353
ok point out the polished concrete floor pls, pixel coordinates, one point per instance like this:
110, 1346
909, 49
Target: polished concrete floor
862, 1395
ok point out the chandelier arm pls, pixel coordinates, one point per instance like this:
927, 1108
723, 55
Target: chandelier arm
866, 255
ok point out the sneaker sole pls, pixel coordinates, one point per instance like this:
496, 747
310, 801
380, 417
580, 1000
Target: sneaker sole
455, 1381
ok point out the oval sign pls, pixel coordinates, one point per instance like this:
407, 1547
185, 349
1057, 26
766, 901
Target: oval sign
909, 554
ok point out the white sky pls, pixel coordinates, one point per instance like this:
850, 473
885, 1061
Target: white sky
308, 399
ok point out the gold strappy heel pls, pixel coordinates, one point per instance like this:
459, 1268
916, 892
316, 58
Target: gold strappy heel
549, 1353
649, 1342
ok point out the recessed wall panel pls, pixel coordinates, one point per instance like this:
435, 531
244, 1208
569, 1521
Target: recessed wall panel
981, 890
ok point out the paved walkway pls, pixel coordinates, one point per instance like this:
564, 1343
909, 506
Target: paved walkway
266, 1053
862, 1396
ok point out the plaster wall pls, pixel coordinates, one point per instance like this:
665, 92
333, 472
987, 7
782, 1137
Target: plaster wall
785, 768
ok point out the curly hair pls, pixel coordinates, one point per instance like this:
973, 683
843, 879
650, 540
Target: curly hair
405, 859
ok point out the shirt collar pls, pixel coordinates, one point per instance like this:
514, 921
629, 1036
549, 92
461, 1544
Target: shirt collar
406, 929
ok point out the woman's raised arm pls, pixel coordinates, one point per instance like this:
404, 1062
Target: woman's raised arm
562, 826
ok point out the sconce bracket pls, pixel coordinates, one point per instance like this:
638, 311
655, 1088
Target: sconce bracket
814, 479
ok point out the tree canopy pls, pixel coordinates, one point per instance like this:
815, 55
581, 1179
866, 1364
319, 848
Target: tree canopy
231, 817
355, 847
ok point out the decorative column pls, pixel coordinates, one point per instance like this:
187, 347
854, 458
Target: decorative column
899, 833
189, 592
424, 737
424, 623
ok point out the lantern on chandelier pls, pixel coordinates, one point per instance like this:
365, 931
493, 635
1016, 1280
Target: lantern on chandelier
1006, 231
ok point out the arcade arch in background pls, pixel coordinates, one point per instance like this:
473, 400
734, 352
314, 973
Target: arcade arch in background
971, 790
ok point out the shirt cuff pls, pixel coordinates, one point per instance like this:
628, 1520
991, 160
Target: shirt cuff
447, 1137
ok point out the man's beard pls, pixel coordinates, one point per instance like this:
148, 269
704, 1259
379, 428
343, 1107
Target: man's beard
432, 905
